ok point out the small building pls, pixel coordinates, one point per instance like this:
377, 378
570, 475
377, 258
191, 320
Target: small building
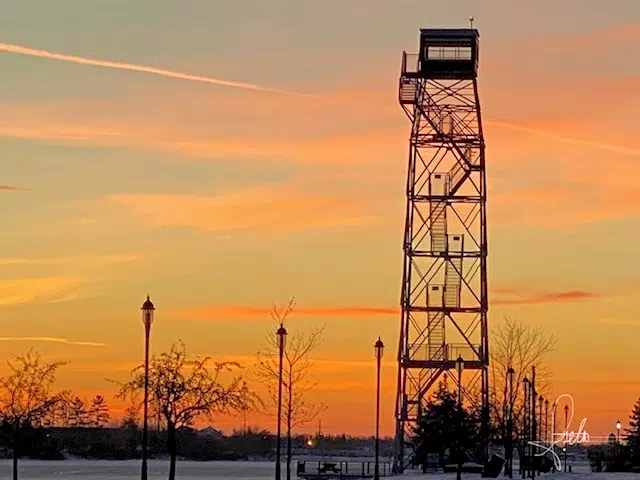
210, 432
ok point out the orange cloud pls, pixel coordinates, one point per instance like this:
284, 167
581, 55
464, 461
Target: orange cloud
566, 139
221, 311
8, 187
27, 290
620, 321
90, 259
268, 209
518, 296
522, 298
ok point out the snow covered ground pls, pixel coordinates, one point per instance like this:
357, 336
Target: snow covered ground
130, 470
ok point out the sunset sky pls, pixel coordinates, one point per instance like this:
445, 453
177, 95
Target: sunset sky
219, 200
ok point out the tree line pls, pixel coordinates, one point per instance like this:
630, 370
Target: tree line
182, 389
451, 431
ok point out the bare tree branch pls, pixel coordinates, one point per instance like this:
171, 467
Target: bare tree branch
26, 398
184, 389
520, 347
296, 385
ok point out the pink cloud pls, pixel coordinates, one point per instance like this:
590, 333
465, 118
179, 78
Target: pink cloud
515, 296
222, 311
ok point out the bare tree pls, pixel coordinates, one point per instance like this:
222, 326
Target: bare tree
298, 410
187, 388
518, 346
26, 399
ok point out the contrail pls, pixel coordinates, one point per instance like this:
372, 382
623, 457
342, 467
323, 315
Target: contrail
562, 138
32, 52
51, 339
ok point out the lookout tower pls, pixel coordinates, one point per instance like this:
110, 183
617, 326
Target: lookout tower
443, 324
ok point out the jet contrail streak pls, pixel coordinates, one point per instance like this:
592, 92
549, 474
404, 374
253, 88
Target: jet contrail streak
32, 52
562, 138
51, 339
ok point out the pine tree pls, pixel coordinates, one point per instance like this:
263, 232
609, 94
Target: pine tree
78, 413
439, 428
99, 412
633, 435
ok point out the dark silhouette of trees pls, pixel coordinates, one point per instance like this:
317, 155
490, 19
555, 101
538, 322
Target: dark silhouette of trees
633, 437
186, 388
26, 399
77, 413
443, 426
296, 407
519, 346
99, 412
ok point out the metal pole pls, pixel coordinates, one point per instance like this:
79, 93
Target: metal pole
540, 422
523, 463
459, 469
279, 409
534, 428
566, 425
546, 421
510, 428
376, 474
145, 427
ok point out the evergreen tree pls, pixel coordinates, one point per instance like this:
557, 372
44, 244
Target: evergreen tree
443, 426
77, 413
633, 436
99, 412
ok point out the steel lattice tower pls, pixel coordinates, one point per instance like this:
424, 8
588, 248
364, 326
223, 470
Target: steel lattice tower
444, 286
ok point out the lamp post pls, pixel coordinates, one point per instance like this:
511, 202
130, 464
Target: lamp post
509, 453
523, 465
546, 420
459, 368
378, 349
147, 319
540, 423
566, 425
281, 336
618, 427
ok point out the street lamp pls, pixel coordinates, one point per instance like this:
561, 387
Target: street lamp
459, 368
566, 425
509, 454
540, 424
615, 447
281, 336
546, 420
527, 401
378, 349
147, 319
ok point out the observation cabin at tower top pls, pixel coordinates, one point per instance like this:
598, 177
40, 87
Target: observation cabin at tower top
445, 54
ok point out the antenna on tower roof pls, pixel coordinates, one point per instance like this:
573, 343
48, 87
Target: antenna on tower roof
471, 22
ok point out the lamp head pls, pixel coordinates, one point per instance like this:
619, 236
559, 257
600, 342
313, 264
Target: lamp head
460, 365
618, 425
147, 312
281, 334
378, 348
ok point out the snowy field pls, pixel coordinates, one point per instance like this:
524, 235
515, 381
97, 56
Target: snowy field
130, 470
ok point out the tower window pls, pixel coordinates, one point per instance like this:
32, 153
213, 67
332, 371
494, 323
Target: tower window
448, 53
